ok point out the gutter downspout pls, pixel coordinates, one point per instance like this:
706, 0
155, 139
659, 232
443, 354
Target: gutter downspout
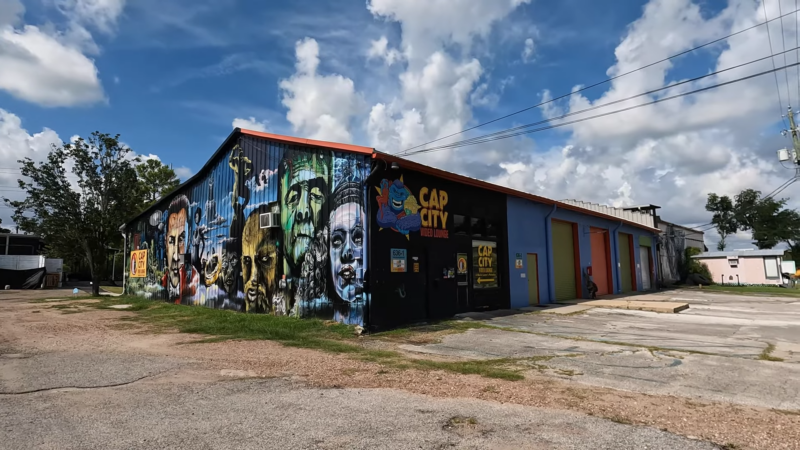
551, 281
615, 240
124, 252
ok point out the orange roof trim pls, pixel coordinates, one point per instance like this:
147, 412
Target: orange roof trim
405, 163
294, 140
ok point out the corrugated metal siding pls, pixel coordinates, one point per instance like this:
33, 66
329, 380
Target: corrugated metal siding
625, 262
631, 216
564, 260
312, 265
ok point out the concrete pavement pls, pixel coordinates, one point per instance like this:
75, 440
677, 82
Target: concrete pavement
277, 414
710, 351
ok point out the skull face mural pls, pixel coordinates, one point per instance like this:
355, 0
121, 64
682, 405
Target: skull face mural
216, 253
347, 232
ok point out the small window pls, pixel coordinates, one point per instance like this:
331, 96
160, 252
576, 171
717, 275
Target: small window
771, 267
478, 227
460, 225
491, 229
733, 262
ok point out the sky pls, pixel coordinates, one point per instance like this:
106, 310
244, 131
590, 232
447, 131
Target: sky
174, 77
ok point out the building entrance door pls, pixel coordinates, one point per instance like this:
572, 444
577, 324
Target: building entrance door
533, 279
644, 258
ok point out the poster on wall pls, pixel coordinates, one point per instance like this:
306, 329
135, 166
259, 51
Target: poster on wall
484, 261
518, 264
398, 260
462, 264
138, 267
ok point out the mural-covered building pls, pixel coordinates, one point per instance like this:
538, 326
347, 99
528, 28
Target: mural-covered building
287, 226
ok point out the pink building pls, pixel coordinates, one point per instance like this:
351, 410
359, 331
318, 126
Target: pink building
744, 266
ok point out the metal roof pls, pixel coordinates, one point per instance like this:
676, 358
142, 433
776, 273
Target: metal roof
741, 254
385, 157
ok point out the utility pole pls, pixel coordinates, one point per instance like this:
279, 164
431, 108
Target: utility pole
785, 154
795, 137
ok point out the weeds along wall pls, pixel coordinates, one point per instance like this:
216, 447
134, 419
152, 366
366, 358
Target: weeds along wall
206, 244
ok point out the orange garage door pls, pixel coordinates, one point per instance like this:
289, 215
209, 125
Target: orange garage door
600, 260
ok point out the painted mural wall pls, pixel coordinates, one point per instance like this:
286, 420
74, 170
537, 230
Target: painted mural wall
205, 245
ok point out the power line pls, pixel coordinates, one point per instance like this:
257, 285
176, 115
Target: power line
777, 86
607, 80
797, 43
505, 134
521, 127
783, 41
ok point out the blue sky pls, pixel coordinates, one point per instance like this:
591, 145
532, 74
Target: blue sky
173, 75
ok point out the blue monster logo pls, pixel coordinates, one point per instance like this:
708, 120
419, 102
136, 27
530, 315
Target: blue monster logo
398, 209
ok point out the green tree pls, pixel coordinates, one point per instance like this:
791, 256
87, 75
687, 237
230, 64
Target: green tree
79, 215
4, 230
156, 179
767, 219
724, 218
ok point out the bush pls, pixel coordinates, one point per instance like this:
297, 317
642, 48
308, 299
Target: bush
689, 265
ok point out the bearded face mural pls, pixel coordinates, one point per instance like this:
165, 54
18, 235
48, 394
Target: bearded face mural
347, 233
259, 264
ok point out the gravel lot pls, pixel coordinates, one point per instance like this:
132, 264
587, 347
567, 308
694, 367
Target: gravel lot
257, 394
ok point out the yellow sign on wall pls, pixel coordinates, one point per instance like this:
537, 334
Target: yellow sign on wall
138, 267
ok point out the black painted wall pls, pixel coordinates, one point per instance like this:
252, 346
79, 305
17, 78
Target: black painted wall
417, 212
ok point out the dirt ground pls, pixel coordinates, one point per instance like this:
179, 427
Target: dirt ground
27, 327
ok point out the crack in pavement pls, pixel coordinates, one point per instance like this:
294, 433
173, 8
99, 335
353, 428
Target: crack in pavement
82, 388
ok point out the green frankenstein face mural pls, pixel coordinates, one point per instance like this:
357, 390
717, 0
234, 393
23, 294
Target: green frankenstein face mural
207, 246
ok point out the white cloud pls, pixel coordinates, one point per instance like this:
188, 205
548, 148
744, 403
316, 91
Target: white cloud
674, 153
11, 12
528, 51
428, 25
183, 172
319, 106
16, 144
379, 49
441, 80
48, 66
100, 14
250, 124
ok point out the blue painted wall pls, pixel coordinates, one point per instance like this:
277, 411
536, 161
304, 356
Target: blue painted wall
529, 232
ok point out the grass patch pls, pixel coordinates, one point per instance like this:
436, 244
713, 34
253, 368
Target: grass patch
567, 372
220, 325
447, 326
112, 289
620, 419
766, 354
461, 420
489, 368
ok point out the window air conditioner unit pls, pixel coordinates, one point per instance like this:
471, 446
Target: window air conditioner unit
269, 220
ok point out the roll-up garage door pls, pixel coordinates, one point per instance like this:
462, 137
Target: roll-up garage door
564, 261
625, 262
600, 260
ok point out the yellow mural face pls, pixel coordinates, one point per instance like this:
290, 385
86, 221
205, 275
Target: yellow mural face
259, 263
